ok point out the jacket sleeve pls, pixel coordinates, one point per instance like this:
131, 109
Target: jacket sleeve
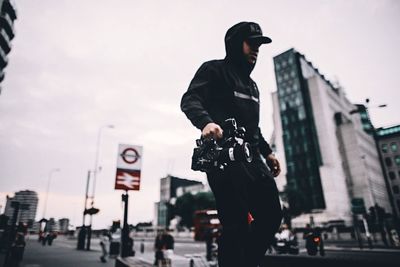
193, 101
263, 145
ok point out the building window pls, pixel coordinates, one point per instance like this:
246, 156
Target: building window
393, 147
397, 160
294, 117
284, 120
286, 134
388, 162
285, 76
305, 147
302, 113
289, 150
308, 163
395, 189
384, 148
392, 175
297, 100
283, 105
297, 147
303, 130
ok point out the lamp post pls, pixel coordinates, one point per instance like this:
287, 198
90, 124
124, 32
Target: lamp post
44, 220
47, 190
96, 162
95, 170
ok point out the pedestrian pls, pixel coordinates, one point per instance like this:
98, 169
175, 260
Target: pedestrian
104, 244
16, 251
223, 89
168, 249
158, 248
208, 237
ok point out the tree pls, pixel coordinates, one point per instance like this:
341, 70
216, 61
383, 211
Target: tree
187, 204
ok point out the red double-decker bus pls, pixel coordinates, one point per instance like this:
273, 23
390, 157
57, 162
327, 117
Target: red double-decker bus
203, 221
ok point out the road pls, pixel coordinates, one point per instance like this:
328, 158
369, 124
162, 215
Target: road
64, 254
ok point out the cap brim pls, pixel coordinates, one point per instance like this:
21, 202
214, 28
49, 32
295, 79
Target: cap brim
260, 39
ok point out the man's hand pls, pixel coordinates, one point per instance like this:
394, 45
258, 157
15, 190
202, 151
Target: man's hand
212, 130
274, 165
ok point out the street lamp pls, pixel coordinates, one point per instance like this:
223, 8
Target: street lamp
96, 162
92, 210
47, 190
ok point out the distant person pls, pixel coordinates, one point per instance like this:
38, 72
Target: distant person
210, 238
158, 248
104, 244
168, 250
17, 250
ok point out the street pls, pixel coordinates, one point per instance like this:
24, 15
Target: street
63, 253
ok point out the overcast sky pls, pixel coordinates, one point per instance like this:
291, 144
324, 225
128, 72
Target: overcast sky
78, 65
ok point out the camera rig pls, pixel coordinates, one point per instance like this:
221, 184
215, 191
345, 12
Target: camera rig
211, 154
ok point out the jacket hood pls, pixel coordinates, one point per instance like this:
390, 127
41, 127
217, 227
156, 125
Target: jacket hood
234, 38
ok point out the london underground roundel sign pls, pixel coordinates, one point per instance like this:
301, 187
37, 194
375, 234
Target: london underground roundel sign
129, 163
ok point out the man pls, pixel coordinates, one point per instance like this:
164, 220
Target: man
158, 248
104, 244
223, 89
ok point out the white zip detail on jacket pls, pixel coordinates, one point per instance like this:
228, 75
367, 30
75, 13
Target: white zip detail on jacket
244, 96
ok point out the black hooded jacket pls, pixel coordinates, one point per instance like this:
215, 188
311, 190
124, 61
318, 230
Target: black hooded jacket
223, 89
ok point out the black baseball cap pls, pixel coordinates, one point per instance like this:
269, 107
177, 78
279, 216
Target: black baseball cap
253, 33
246, 31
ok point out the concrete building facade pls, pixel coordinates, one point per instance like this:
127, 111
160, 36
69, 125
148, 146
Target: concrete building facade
330, 157
63, 225
8, 15
23, 197
389, 147
168, 194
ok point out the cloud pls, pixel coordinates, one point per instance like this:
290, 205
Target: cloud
78, 65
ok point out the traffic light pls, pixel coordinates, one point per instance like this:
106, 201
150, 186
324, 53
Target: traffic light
91, 211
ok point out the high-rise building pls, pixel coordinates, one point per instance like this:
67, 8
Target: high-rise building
389, 147
168, 193
7, 16
63, 225
330, 153
23, 197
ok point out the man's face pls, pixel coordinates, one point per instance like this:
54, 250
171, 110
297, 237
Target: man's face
250, 51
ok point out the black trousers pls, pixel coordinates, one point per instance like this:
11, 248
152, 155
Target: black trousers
240, 189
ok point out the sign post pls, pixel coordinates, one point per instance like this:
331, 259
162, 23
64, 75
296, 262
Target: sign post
129, 163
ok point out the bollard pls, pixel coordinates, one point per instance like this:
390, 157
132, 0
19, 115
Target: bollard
191, 263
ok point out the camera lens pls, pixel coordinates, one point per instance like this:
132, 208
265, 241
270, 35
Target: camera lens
236, 153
